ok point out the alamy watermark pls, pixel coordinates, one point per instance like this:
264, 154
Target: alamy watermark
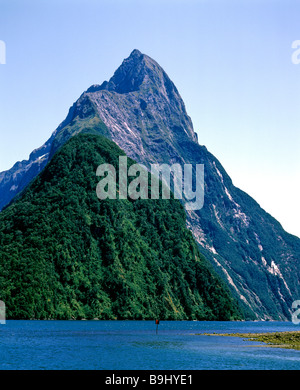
2, 313
2, 53
182, 182
296, 54
296, 313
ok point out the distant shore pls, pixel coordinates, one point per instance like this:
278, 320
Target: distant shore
287, 339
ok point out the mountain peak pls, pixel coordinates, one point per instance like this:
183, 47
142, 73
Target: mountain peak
135, 53
149, 87
132, 73
138, 71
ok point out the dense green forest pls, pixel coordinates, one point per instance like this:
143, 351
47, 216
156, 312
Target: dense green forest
65, 254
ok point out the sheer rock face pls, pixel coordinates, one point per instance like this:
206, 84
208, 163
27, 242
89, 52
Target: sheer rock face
141, 110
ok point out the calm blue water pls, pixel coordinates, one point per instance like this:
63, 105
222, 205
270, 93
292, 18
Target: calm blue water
134, 345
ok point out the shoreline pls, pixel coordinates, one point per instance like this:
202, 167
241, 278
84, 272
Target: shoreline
284, 339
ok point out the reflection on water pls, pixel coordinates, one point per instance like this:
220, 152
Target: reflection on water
161, 344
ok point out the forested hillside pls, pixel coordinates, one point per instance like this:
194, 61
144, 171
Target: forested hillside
66, 254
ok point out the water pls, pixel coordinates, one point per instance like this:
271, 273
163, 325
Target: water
134, 345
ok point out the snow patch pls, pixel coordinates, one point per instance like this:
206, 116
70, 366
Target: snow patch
212, 249
218, 172
229, 196
217, 216
237, 211
242, 216
230, 281
130, 131
13, 188
43, 156
274, 270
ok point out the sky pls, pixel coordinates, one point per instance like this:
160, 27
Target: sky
232, 62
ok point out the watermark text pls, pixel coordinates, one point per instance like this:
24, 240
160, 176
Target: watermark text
186, 182
296, 313
2, 53
2, 313
296, 54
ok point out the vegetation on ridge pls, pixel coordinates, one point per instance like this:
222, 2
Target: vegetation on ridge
64, 254
285, 339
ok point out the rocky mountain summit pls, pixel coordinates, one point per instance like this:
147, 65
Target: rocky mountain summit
140, 109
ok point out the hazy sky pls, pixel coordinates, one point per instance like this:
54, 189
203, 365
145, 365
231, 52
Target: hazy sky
230, 60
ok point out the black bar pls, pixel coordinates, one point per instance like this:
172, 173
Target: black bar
239, 379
